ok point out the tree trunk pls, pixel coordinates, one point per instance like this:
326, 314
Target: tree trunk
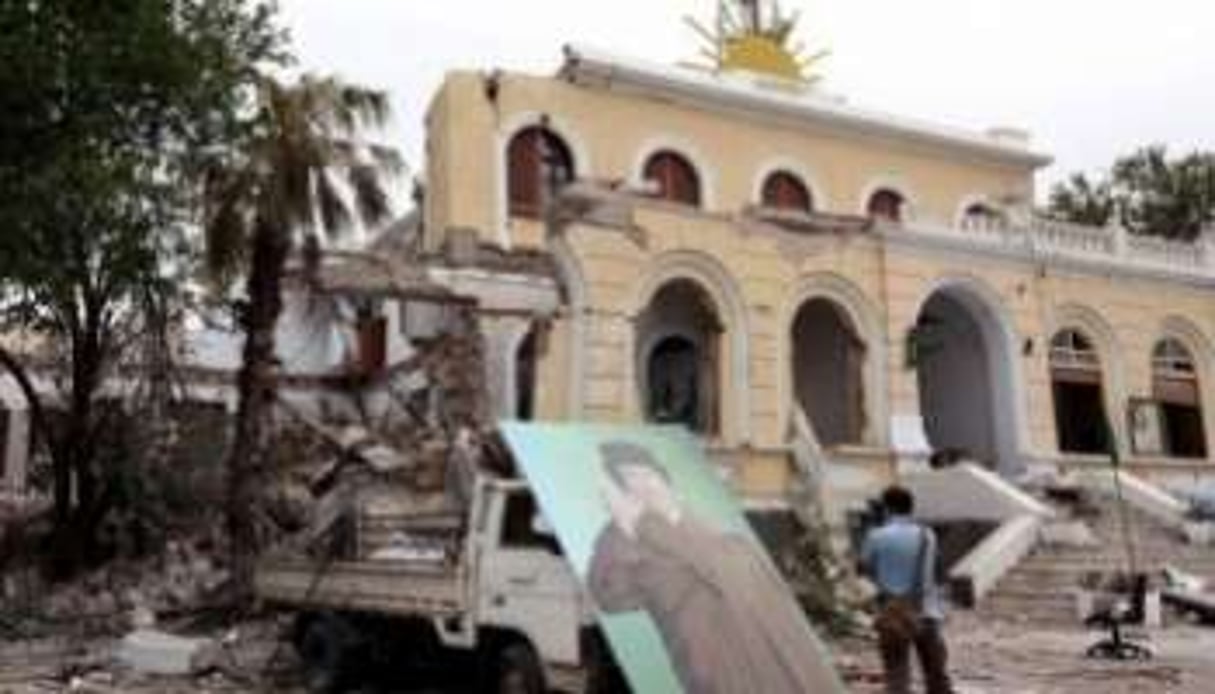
39, 427
256, 387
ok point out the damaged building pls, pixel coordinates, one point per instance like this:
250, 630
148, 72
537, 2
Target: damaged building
737, 252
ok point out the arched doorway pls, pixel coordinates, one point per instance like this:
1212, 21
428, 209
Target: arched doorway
828, 359
678, 363
1176, 387
964, 365
1077, 385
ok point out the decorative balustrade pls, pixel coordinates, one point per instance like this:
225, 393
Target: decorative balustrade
1167, 252
1077, 238
1047, 238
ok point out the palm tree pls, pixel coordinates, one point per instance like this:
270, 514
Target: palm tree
303, 172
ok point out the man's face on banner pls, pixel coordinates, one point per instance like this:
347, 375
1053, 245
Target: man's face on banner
650, 488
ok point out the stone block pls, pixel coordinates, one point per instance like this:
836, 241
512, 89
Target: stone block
158, 653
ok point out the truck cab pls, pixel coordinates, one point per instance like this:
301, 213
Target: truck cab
502, 594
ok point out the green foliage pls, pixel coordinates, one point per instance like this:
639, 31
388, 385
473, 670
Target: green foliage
1082, 201
304, 168
1146, 192
107, 110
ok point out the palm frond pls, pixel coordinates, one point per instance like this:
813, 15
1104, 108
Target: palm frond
332, 208
370, 199
370, 106
387, 159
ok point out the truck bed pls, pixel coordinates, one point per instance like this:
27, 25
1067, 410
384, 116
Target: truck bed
385, 587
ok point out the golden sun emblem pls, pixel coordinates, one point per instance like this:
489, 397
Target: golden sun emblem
756, 36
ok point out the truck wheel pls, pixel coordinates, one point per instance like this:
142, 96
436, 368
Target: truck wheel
325, 647
519, 670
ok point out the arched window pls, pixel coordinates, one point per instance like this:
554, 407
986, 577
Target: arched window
674, 177
982, 215
785, 191
536, 159
1071, 350
1076, 383
1175, 387
886, 205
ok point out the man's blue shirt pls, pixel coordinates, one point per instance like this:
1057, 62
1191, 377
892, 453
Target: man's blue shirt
889, 556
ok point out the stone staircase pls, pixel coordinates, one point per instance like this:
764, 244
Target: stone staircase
1041, 590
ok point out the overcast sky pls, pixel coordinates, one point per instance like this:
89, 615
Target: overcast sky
1091, 79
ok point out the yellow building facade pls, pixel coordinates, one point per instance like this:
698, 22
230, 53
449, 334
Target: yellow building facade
730, 252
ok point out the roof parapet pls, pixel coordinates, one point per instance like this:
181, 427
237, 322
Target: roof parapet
593, 68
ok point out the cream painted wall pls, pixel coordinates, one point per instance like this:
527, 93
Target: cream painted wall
1029, 304
758, 276
613, 133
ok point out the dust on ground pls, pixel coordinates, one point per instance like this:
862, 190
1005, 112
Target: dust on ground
986, 659
1009, 658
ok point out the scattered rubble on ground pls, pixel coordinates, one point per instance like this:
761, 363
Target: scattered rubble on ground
1069, 534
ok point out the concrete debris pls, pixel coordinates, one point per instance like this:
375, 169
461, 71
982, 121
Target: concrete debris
1200, 534
384, 459
158, 653
1069, 534
1181, 580
391, 486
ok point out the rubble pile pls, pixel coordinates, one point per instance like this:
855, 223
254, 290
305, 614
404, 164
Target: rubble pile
392, 486
186, 578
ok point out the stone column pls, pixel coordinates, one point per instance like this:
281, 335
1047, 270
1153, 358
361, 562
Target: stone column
503, 336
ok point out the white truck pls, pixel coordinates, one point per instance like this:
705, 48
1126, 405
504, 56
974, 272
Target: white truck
504, 600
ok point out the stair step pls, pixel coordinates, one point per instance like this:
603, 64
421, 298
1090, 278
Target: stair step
1041, 589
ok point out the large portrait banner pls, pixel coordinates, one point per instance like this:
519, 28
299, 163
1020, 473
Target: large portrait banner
687, 596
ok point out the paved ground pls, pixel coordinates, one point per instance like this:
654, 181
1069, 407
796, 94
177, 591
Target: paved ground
986, 660
1012, 659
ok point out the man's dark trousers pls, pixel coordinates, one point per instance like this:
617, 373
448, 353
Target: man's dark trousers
929, 645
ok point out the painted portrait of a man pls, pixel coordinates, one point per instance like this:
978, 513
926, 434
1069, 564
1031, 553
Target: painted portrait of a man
724, 614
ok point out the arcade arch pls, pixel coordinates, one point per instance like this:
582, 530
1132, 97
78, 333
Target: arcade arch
962, 348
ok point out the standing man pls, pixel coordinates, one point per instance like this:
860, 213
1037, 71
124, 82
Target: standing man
900, 557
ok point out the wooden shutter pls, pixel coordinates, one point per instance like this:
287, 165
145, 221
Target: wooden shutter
784, 191
523, 173
1176, 391
677, 180
886, 204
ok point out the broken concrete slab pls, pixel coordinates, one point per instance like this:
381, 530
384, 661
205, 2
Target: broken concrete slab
1200, 534
157, 653
385, 459
1069, 534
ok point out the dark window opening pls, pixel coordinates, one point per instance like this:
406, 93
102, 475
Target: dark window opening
1175, 386
1183, 431
675, 178
886, 205
536, 159
525, 379
1080, 417
674, 378
678, 362
784, 191
828, 365
982, 215
519, 525
1076, 381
